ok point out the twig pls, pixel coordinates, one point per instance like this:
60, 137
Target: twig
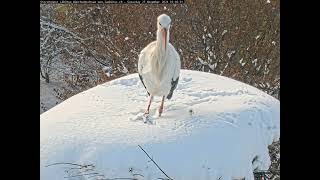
67, 171
85, 167
64, 163
154, 162
86, 170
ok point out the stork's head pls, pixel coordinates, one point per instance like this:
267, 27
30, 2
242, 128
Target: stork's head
164, 23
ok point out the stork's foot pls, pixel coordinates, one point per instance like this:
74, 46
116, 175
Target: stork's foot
146, 113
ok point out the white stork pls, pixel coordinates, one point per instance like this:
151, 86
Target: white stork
159, 65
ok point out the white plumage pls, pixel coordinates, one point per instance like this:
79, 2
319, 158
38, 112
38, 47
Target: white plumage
159, 64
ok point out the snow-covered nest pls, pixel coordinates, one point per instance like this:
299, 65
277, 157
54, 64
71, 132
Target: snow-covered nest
213, 127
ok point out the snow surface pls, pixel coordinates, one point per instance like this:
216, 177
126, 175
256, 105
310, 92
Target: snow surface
212, 127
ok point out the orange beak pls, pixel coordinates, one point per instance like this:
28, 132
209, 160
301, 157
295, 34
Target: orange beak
164, 37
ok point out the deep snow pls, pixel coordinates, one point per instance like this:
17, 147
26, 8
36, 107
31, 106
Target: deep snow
212, 127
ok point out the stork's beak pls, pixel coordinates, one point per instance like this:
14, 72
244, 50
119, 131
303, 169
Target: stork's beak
164, 37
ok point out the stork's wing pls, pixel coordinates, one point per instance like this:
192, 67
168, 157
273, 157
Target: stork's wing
176, 71
143, 84
174, 84
141, 63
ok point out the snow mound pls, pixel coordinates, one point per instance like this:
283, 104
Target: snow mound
213, 127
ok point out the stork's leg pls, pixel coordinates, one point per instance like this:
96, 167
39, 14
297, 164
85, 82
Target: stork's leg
161, 107
148, 106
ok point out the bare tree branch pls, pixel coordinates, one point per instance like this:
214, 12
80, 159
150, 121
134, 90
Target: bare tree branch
65, 164
154, 162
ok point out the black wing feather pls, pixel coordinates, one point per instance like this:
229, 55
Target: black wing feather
173, 87
143, 84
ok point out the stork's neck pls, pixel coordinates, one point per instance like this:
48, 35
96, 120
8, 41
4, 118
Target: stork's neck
161, 43
160, 53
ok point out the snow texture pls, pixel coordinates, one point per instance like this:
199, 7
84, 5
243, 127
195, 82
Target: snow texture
213, 127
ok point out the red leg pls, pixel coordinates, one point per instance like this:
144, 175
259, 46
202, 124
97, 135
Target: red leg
148, 106
161, 107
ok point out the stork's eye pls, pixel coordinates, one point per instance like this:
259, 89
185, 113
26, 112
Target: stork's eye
160, 24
